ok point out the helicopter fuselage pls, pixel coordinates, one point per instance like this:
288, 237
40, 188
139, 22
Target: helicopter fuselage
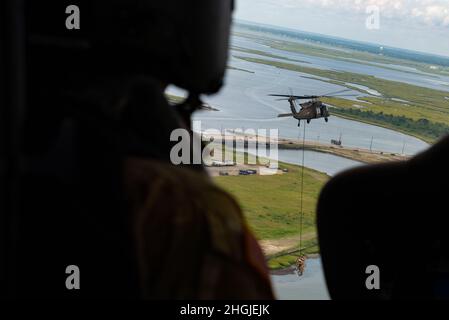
310, 110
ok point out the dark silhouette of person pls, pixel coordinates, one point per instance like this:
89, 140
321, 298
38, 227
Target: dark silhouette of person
100, 191
393, 216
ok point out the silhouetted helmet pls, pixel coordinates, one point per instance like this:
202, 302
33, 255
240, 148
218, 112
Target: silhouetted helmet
177, 41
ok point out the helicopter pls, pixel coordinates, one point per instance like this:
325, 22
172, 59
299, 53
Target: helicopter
312, 109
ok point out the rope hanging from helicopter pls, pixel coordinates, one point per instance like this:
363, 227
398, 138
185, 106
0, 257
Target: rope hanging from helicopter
301, 261
312, 109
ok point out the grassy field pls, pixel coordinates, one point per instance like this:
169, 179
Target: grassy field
351, 55
271, 204
398, 99
174, 99
387, 114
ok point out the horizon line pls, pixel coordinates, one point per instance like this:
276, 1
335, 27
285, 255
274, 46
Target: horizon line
344, 38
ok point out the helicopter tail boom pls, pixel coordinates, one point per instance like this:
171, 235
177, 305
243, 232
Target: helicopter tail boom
282, 115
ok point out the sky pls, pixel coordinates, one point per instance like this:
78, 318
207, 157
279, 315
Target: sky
421, 25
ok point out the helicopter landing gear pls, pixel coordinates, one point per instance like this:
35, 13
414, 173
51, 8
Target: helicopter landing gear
308, 121
326, 119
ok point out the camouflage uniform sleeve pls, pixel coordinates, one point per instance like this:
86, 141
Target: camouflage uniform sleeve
191, 238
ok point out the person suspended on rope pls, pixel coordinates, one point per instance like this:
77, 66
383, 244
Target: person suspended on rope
301, 264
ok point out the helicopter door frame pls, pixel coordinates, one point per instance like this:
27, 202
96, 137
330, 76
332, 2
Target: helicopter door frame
3, 184
12, 114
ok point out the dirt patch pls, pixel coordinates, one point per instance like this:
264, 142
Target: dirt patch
274, 246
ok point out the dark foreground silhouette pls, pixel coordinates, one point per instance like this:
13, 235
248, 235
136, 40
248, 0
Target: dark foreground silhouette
394, 216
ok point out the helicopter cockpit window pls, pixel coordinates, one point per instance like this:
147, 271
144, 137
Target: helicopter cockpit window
282, 108
358, 101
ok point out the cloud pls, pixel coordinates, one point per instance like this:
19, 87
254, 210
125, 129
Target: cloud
430, 12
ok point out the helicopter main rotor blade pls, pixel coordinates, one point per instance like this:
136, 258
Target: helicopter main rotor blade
294, 97
279, 95
336, 92
306, 97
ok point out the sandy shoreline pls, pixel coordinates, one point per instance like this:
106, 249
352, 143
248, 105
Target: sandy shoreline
291, 269
357, 154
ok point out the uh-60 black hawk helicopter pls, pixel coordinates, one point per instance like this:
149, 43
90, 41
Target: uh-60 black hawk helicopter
309, 110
